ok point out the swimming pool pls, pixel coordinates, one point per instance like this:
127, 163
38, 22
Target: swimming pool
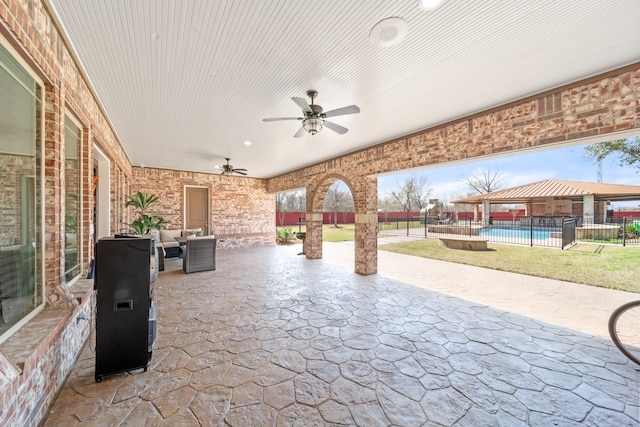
518, 232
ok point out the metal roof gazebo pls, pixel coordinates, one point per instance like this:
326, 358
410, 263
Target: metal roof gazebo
551, 197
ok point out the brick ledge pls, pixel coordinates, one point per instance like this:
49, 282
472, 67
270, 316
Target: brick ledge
25, 347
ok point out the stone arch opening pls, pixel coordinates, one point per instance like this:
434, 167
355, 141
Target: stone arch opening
319, 193
364, 191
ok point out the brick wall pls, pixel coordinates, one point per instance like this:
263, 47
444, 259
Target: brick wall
32, 370
35, 362
241, 211
591, 108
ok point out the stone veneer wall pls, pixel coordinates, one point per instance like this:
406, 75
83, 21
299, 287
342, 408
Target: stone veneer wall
577, 209
241, 211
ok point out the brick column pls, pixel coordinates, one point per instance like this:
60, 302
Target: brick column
365, 199
316, 191
313, 242
366, 243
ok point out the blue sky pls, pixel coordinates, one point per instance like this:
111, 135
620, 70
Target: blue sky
564, 163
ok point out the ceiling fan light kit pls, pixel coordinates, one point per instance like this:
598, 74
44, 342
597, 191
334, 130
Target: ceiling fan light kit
228, 170
314, 119
313, 126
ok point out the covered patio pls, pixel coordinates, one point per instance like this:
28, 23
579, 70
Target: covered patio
105, 99
313, 343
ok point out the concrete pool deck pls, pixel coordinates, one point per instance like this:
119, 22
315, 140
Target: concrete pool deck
580, 307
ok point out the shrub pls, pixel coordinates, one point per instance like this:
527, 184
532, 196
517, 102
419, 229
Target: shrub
631, 231
285, 234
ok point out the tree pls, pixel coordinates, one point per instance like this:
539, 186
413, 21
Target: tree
299, 201
485, 181
280, 200
387, 204
290, 201
414, 191
338, 199
628, 151
280, 203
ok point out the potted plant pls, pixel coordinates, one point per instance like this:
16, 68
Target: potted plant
145, 222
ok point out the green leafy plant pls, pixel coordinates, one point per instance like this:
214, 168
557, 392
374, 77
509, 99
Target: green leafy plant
285, 234
145, 223
631, 231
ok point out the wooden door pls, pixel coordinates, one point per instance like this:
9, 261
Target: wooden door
197, 208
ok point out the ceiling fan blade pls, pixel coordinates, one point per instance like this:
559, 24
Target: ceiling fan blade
299, 133
275, 119
351, 109
303, 104
335, 127
239, 171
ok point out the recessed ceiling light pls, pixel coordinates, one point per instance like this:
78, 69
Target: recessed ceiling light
429, 4
247, 143
388, 32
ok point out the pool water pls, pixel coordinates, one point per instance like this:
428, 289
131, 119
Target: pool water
518, 232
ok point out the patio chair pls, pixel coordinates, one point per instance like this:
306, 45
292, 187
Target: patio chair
199, 254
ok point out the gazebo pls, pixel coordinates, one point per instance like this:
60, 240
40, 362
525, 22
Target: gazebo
555, 198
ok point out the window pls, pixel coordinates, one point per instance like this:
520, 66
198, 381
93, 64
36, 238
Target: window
72, 144
21, 288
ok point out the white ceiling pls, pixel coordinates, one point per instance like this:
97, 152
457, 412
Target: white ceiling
186, 83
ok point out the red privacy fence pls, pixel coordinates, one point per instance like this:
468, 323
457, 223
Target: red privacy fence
294, 218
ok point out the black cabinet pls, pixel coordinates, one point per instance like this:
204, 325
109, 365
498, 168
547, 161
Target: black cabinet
125, 314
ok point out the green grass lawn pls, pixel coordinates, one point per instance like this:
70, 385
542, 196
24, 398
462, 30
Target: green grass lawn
399, 225
343, 233
607, 266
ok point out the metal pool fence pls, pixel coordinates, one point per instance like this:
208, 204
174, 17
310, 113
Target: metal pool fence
558, 232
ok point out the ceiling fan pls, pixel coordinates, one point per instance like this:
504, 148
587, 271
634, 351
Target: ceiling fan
229, 170
314, 116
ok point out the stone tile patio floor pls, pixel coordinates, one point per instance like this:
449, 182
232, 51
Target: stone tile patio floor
274, 339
